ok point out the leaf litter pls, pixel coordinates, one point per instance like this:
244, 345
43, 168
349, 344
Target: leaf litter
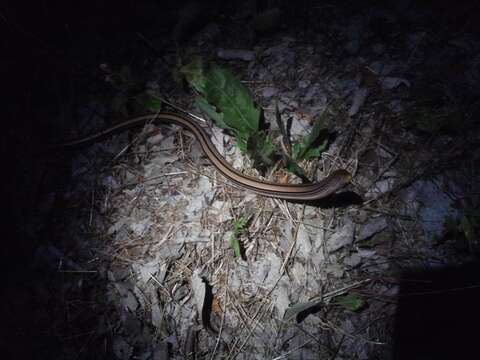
321, 272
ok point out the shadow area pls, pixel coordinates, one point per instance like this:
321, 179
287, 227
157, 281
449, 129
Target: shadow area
338, 200
438, 314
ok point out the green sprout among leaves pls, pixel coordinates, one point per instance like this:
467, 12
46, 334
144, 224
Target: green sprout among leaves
351, 302
239, 228
228, 103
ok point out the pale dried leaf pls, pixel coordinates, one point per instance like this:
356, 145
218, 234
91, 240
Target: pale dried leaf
342, 237
198, 289
281, 298
390, 83
371, 228
304, 244
359, 98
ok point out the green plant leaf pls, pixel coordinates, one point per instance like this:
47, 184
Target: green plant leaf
350, 302
283, 129
148, 102
294, 168
239, 226
229, 104
226, 95
467, 228
261, 149
235, 245
194, 73
300, 152
313, 144
290, 164
231, 97
211, 112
